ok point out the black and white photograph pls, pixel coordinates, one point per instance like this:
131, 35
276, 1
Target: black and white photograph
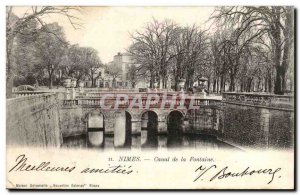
96, 94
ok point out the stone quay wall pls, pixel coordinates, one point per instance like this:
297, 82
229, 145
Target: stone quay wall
33, 121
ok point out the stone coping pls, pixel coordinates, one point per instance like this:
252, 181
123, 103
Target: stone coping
256, 94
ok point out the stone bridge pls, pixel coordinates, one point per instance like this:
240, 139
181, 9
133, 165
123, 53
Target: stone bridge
126, 114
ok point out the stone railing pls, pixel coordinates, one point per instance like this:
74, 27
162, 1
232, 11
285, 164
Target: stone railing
116, 90
91, 90
30, 103
265, 100
128, 93
27, 93
162, 102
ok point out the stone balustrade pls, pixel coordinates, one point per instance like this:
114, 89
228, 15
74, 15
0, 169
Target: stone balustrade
130, 93
162, 102
265, 100
31, 103
27, 93
105, 90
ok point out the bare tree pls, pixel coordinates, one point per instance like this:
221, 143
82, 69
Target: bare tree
15, 25
92, 63
114, 71
132, 75
276, 22
151, 48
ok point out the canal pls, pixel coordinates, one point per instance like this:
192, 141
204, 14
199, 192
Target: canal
240, 127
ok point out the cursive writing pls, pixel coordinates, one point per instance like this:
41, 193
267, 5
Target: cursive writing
22, 165
111, 169
224, 173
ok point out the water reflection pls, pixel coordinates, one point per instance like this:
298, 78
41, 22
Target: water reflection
156, 141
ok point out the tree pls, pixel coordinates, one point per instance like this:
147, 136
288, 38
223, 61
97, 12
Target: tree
15, 26
276, 22
50, 49
114, 71
23, 56
164, 49
92, 63
73, 63
132, 75
151, 49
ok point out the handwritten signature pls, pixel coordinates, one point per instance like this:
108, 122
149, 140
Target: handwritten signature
224, 173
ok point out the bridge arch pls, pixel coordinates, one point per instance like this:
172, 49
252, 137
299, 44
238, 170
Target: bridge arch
175, 122
149, 128
145, 111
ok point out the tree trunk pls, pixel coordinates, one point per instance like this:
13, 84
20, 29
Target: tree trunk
214, 85
9, 69
222, 83
232, 83
280, 75
242, 86
50, 82
218, 80
176, 83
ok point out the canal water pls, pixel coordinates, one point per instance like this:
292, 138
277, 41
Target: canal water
160, 141
240, 127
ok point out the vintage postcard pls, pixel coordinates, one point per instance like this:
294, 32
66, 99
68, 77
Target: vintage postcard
194, 98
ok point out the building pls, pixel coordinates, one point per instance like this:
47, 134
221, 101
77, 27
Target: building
123, 60
104, 79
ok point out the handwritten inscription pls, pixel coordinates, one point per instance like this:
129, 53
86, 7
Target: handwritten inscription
211, 173
22, 165
224, 173
111, 169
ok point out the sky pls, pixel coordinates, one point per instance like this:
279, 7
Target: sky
107, 29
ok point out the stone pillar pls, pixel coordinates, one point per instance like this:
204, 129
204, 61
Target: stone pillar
120, 129
143, 137
73, 93
186, 125
216, 119
136, 127
67, 94
144, 125
202, 94
81, 87
265, 125
109, 121
162, 126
